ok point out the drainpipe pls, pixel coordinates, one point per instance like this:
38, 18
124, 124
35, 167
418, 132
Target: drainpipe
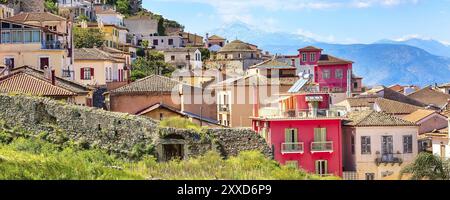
180, 90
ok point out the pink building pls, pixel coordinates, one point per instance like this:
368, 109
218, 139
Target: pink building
303, 130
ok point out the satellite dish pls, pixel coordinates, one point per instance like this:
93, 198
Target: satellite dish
306, 76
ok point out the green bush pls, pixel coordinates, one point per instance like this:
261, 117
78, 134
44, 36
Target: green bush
180, 123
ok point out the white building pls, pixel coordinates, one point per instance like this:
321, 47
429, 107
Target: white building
109, 16
162, 42
184, 58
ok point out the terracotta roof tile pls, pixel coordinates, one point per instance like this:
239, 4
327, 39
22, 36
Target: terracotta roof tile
273, 64
395, 107
310, 48
36, 16
384, 92
153, 83
418, 115
22, 82
331, 60
216, 37
429, 96
372, 118
237, 46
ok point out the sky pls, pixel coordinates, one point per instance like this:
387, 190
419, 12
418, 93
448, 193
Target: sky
336, 21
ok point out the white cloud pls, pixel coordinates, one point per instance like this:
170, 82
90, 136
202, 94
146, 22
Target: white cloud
317, 37
412, 36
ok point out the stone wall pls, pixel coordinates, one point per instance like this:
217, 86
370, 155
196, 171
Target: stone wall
117, 132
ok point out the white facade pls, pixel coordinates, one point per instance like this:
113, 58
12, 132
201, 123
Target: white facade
183, 58
163, 42
110, 18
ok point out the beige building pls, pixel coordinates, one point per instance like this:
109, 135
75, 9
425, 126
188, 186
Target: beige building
23, 44
376, 146
140, 26
183, 58
235, 57
98, 67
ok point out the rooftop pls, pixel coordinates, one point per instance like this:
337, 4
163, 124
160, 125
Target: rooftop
272, 64
372, 118
429, 96
96, 54
310, 48
329, 60
36, 16
395, 107
418, 115
152, 83
237, 46
384, 92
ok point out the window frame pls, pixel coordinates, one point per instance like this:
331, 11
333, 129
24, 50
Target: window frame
366, 145
304, 57
339, 75
407, 144
326, 74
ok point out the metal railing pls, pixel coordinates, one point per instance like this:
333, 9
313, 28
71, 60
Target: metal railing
389, 158
53, 45
299, 113
296, 147
322, 146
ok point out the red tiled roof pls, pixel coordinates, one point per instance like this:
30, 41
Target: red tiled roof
22, 82
310, 48
330, 60
36, 16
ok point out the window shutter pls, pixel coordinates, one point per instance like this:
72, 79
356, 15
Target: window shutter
317, 167
82, 73
287, 136
323, 135
316, 135
295, 136
92, 71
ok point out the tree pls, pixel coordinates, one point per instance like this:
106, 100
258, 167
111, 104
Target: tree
205, 54
153, 63
50, 6
87, 37
123, 7
428, 166
161, 27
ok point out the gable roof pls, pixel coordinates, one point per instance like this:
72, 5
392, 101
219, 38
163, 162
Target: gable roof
372, 118
61, 82
26, 83
36, 16
216, 37
310, 48
429, 96
395, 107
419, 115
272, 64
384, 92
172, 109
152, 83
331, 60
237, 46
96, 54
363, 101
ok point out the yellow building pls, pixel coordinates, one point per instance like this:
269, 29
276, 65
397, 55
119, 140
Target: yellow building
99, 67
114, 36
54, 48
22, 44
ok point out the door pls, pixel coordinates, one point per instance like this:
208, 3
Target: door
387, 148
9, 62
44, 62
321, 167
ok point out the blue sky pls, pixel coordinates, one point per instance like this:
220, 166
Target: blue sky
338, 21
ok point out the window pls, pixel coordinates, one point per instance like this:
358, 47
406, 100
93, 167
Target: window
6, 37
290, 139
27, 37
407, 144
304, 57
339, 74
170, 41
325, 89
326, 74
370, 176
321, 167
320, 135
172, 58
365, 145
313, 57
161, 116
188, 57
292, 163
226, 56
44, 62
293, 62
17, 36
352, 142
155, 42
355, 85
240, 55
9, 62
87, 73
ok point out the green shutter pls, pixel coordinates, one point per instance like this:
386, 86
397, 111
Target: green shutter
317, 167
316, 135
295, 136
323, 135
287, 136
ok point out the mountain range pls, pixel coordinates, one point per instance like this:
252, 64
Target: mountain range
413, 61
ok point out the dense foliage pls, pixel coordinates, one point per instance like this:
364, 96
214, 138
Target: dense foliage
87, 37
151, 63
35, 159
428, 166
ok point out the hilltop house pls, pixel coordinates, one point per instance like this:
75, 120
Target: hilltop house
377, 146
164, 93
183, 58
235, 57
77, 8
38, 46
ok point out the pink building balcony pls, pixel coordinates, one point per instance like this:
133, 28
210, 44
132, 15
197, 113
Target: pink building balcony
292, 148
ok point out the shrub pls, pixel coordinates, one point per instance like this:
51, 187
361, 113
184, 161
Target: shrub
180, 123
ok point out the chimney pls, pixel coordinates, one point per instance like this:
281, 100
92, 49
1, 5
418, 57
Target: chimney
53, 77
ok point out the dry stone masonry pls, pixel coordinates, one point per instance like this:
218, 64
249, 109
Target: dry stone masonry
119, 132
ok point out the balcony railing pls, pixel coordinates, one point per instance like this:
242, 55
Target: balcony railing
53, 45
389, 158
271, 112
224, 108
317, 147
289, 148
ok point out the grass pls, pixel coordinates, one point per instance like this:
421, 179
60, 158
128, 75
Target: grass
34, 158
180, 123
